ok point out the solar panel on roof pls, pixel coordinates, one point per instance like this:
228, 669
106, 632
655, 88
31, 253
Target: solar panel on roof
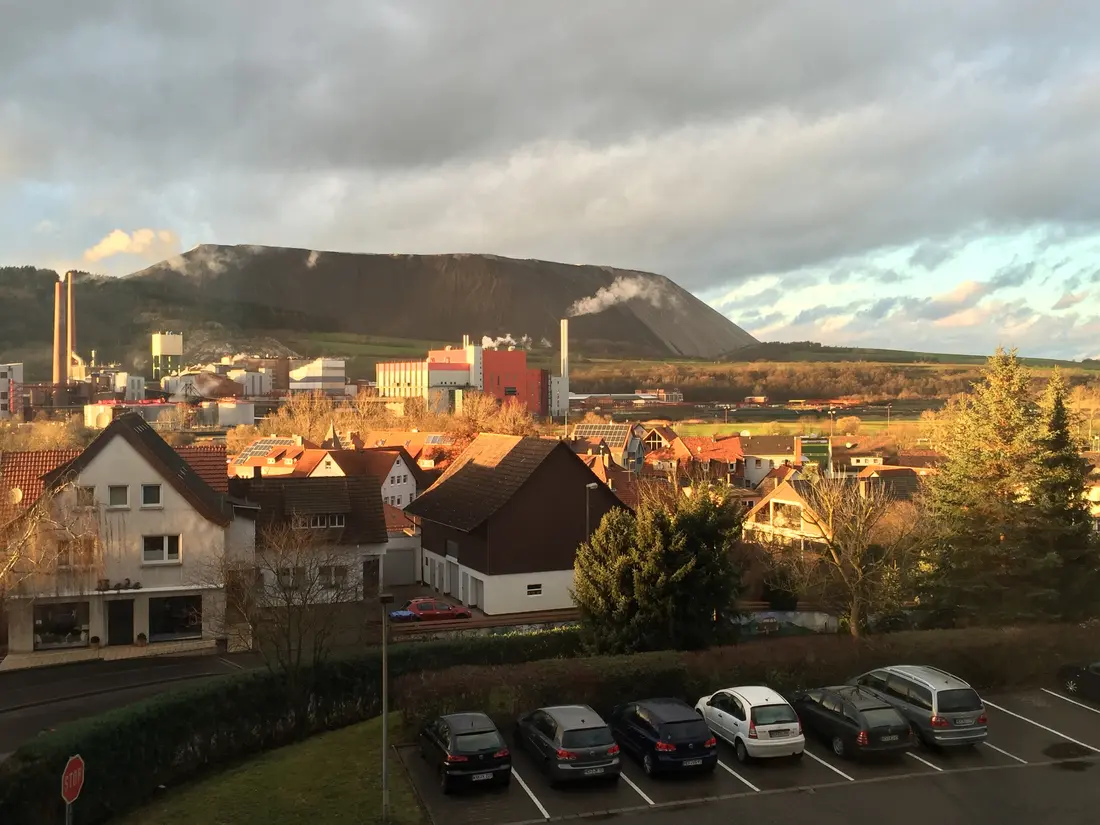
262, 447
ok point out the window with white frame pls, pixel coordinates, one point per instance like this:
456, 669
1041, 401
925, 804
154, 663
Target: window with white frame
333, 576
292, 578
76, 552
118, 495
320, 521
393, 479
160, 549
534, 590
150, 495
85, 496
399, 498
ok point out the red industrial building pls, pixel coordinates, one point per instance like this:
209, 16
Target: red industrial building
507, 376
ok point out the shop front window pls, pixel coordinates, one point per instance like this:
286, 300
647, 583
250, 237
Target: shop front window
59, 625
175, 617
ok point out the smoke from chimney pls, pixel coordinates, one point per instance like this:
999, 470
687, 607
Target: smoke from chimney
624, 288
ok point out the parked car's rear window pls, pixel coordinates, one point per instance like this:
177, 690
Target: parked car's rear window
587, 738
475, 742
882, 718
774, 715
958, 701
693, 730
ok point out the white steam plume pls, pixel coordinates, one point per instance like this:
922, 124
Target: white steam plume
151, 244
506, 340
623, 288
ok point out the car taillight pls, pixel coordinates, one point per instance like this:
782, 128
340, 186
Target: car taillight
799, 718
665, 746
613, 750
454, 757
862, 738
501, 753
564, 754
940, 722
711, 743
752, 730
983, 720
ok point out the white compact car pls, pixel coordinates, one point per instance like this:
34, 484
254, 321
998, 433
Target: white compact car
757, 721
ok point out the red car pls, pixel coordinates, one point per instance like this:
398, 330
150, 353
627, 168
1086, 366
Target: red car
426, 610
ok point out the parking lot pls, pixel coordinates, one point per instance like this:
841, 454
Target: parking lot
1026, 730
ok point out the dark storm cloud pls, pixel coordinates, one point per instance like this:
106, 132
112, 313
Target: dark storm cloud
660, 136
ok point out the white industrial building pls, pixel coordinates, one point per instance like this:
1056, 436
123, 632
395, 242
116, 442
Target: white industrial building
167, 348
11, 390
325, 375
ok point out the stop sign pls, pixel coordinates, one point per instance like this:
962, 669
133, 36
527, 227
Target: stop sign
72, 779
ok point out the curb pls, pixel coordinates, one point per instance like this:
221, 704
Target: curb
101, 691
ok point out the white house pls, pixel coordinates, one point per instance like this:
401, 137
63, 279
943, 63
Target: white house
763, 453
401, 479
131, 546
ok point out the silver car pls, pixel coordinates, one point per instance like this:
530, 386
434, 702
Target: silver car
943, 709
570, 742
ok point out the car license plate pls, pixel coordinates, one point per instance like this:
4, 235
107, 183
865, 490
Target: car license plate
962, 723
893, 738
778, 734
480, 776
691, 763
593, 771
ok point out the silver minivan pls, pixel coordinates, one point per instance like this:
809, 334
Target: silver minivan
943, 709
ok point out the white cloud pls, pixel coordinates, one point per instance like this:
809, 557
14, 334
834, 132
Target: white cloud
149, 244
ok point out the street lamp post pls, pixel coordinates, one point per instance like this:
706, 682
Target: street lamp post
386, 599
588, 488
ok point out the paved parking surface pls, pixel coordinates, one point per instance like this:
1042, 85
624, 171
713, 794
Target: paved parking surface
1031, 732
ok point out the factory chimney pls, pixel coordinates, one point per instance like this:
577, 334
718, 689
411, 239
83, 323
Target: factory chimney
59, 376
70, 325
565, 348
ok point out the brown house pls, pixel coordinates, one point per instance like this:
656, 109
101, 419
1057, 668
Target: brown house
501, 527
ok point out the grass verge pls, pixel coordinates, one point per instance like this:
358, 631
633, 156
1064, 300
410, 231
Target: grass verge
332, 778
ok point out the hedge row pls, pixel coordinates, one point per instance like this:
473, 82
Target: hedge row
181, 734
988, 659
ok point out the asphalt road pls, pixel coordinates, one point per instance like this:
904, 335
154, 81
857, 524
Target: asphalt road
38, 699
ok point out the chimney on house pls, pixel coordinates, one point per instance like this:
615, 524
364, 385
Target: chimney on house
257, 472
60, 375
70, 324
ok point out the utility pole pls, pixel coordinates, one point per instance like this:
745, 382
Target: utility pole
386, 599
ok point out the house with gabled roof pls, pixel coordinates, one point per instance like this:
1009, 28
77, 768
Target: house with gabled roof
624, 440
763, 453
114, 545
501, 526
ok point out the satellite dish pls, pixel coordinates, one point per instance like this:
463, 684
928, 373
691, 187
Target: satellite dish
16, 495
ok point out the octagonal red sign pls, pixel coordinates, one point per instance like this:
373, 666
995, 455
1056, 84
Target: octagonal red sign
72, 779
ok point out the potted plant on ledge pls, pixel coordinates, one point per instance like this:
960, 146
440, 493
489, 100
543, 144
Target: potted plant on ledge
142, 640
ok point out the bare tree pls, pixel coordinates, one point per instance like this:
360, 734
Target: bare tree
478, 415
53, 546
849, 425
291, 597
858, 551
513, 418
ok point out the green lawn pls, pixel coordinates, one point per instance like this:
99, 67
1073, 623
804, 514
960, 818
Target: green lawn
332, 778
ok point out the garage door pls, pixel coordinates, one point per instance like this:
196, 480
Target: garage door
399, 566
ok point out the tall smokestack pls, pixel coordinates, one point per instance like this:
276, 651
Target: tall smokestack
565, 347
70, 325
59, 372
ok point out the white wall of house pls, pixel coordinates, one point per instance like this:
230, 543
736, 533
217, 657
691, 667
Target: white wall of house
758, 466
496, 595
188, 559
398, 484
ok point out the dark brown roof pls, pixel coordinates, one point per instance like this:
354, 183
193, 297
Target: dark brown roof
154, 449
902, 483
483, 479
373, 458
283, 498
917, 458
767, 445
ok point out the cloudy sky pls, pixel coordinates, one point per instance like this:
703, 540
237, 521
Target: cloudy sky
920, 175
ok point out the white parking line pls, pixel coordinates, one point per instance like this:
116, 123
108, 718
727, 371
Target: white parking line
827, 765
639, 791
1006, 753
734, 773
535, 799
924, 761
1071, 701
231, 664
1042, 727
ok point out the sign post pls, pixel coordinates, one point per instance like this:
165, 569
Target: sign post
72, 782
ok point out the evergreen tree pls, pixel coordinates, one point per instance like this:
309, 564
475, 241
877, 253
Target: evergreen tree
664, 578
983, 565
1064, 523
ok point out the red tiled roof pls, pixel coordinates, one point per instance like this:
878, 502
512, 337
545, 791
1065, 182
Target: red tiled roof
727, 448
622, 483
396, 520
664, 431
209, 463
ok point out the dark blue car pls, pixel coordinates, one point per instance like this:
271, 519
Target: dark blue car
665, 735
